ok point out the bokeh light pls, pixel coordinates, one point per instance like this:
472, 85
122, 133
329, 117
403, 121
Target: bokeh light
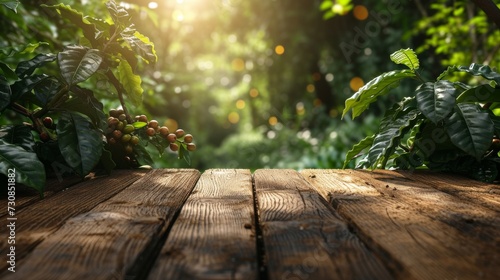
356, 83
153, 5
238, 64
240, 104
310, 88
254, 93
360, 12
233, 117
273, 120
279, 50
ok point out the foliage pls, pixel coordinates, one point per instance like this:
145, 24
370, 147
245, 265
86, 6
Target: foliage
445, 125
59, 125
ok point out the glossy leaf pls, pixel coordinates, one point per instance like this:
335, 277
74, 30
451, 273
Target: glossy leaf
20, 88
388, 138
19, 135
470, 129
45, 91
8, 72
131, 83
22, 49
140, 44
26, 68
29, 169
80, 144
474, 69
356, 149
369, 93
436, 100
184, 154
78, 63
85, 103
106, 161
5, 94
138, 125
406, 57
118, 13
483, 94
142, 155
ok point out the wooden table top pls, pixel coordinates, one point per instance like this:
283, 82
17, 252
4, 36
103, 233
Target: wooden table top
270, 224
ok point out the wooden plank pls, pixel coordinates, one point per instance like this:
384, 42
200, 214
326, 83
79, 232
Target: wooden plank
303, 236
26, 196
106, 241
394, 225
487, 195
36, 222
212, 237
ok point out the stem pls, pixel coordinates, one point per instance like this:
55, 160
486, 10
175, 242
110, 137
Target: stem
418, 76
20, 109
54, 102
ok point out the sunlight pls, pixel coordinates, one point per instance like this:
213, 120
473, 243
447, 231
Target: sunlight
153, 5
279, 50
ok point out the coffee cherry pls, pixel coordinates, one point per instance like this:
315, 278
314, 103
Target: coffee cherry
112, 121
171, 138
129, 149
120, 125
174, 147
143, 118
113, 113
134, 140
112, 141
191, 147
164, 131
153, 124
150, 131
44, 136
188, 138
117, 134
179, 133
126, 138
119, 112
128, 128
122, 117
495, 143
48, 122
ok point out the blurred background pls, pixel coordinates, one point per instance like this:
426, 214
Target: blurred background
263, 83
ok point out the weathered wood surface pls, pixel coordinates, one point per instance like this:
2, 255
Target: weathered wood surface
273, 224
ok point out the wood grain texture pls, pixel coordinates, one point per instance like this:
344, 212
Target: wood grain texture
106, 241
478, 193
41, 219
395, 224
26, 196
303, 236
212, 237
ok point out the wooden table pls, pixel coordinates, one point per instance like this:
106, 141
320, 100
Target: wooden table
272, 224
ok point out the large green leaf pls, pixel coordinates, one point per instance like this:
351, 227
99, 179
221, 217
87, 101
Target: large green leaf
406, 57
78, 63
22, 49
436, 100
80, 144
26, 68
140, 44
369, 93
85, 103
388, 139
470, 129
131, 83
356, 149
5, 94
19, 135
8, 72
482, 93
28, 169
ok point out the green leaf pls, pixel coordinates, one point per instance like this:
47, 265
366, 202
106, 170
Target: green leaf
84, 102
118, 13
388, 139
140, 44
78, 63
45, 91
436, 100
23, 49
138, 125
26, 85
26, 68
77, 18
470, 129
481, 70
80, 144
142, 155
28, 169
483, 94
10, 4
406, 57
131, 83
107, 161
5, 94
19, 135
184, 154
8, 72
356, 149
369, 93
326, 5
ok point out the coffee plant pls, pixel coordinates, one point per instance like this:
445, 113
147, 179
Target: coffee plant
445, 125
59, 125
